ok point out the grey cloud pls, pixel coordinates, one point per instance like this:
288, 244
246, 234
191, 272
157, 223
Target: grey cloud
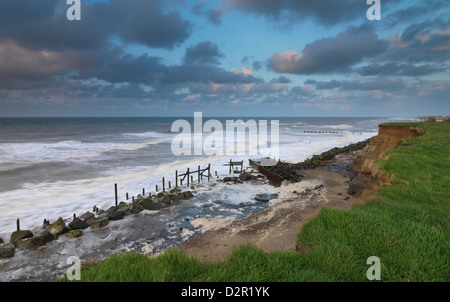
399, 69
378, 83
203, 53
43, 25
328, 55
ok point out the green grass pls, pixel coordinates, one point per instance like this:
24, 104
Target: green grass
407, 227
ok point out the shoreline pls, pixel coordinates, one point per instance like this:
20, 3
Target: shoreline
193, 234
276, 227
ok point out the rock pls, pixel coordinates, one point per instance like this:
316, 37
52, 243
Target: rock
188, 195
175, 190
99, 222
75, 233
86, 216
112, 209
147, 204
17, 235
122, 204
264, 197
137, 207
7, 250
58, 227
115, 215
78, 224
40, 239
1, 240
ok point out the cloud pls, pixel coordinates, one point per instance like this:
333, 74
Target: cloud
329, 55
378, 83
324, 12
399, 69
43, 25
203, 53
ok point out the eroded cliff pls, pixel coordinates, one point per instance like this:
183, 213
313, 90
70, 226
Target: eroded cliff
365, 175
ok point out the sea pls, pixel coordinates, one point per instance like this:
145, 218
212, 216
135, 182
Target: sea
57, 167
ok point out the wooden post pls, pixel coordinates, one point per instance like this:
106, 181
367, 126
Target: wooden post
198, 174
181, 182
143, 192
132, 199
231, 164
156, 188
187, 176
169, 185
209, 171
176, 178
74, 216
115, 192
127, 195
164, 185
18, 224
192, 179
216, 173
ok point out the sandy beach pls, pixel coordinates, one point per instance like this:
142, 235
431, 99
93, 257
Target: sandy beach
277, 226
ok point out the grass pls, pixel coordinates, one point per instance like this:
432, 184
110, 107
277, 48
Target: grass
407, 227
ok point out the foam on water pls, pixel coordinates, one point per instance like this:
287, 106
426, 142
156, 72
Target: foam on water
134, 160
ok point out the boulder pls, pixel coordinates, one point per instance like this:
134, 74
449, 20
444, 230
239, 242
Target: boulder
99, 222
147, 204
112, 209
75, 233
7, 250
58, 227
78, 224
1, 240
86, 216
116, 215
40, 239
188, 195
17, 235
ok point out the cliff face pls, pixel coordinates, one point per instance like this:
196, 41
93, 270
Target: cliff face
364, 175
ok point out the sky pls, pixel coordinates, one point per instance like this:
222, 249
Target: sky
240, 58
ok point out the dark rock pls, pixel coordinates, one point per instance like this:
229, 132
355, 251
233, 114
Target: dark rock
175, 190
264, 197
7, 250
99, 222
188, 195
58, 227
1, 240
115, 215
17, 235
75, 233
147, 204
40, 239
112, 209
78, 224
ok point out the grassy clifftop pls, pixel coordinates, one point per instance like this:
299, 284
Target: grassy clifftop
406, 227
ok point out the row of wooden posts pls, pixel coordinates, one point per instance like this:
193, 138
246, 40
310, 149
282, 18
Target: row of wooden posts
178, 177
